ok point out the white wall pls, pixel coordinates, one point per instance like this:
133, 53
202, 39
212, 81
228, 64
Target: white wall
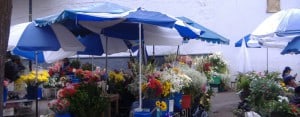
231, 18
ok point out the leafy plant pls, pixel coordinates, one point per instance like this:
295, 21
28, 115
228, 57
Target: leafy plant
88, 66
88, 101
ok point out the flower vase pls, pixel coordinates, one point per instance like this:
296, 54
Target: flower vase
34, 92
62, 115
186, 101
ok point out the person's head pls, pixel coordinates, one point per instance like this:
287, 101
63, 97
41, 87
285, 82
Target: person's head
15, 59
66, 61
287, 69
8, 55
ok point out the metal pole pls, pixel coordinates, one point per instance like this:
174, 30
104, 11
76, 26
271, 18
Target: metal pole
30, 19
177, 53
140, 67
36, 83
267, 60
106, 57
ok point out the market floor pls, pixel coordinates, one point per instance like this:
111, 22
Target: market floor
223, 104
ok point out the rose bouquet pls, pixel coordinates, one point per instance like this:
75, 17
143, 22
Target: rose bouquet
62, 103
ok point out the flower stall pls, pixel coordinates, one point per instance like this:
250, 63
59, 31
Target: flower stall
265, 94
216, 70
176, 86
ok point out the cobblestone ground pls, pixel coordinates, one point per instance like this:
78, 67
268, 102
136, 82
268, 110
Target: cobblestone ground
223, 104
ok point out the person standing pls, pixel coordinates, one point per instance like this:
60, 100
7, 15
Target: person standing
13, 67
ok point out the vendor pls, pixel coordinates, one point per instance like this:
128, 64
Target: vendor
287, 72
13, 67
66, 70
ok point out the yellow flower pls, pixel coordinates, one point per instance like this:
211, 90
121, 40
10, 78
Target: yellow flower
166, 88
176, 70
157, 103
163, 106
144, 86
111, 74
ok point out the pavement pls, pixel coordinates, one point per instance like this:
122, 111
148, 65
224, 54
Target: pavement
223, 105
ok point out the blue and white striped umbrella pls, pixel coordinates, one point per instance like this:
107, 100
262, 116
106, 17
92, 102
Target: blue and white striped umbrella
278, 29
154, 28
293, 47
51, 43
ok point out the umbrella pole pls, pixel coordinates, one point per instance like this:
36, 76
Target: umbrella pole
267, 60
140, 67
106, 57
36, 83
177, 53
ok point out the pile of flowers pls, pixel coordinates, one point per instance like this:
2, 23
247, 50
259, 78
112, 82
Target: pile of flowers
152, 87
62, 103
30, 78
84, 99
86, 75
212, 64
265, 94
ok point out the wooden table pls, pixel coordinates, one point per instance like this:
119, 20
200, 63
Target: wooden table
113, 98
19, 107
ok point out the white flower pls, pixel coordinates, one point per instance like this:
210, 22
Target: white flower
283, 98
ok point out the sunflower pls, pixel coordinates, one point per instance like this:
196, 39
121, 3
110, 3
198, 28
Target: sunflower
163, 106
157, 103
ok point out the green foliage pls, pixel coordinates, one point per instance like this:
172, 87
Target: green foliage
88, 66
88, 101
243, 82
75, 64
262, 91
284, 108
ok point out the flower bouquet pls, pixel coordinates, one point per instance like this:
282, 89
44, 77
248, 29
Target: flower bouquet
116, 81
61, 105
32, 79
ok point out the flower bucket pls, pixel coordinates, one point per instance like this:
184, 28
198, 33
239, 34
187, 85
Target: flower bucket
149, 104
186, 101
177, 102
32, 94
75, 80
5, 91
142, 114
62, 115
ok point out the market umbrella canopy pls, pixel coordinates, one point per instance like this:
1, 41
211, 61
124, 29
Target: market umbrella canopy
103, 9
293, 47
26, 39
278, 29
249, 43
208, 35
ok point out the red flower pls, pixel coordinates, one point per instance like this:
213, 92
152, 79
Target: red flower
207, 66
